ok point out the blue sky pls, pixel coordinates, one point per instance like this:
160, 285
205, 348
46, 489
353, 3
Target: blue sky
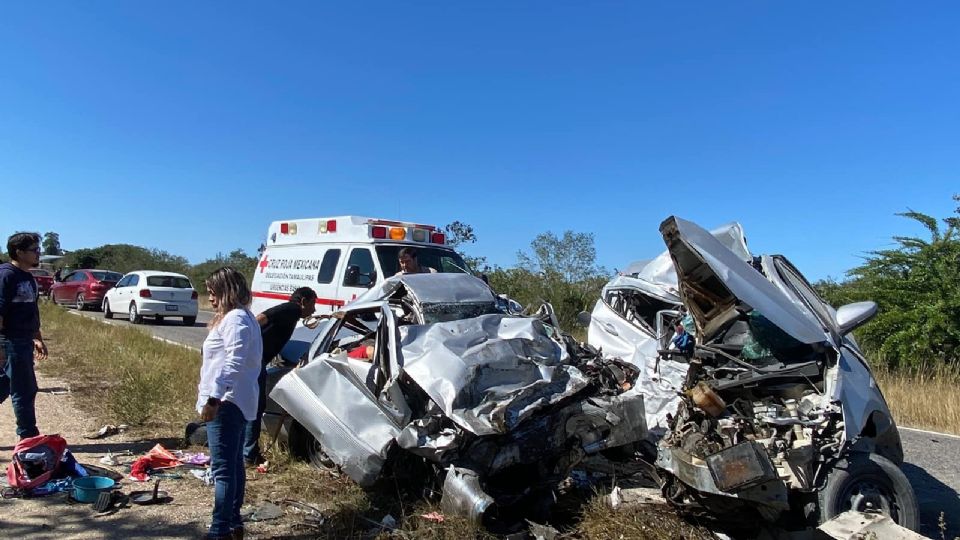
190, 126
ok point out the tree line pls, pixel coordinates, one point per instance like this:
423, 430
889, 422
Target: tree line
916, 283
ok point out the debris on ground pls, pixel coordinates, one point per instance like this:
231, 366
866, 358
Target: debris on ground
107, 431
634, 497
262, 512
435, 517
542, 532
853, 525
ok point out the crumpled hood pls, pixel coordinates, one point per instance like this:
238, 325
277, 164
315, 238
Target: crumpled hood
488, 373
715, 282
658, 277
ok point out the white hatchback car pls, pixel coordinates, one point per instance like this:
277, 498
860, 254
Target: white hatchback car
152, 294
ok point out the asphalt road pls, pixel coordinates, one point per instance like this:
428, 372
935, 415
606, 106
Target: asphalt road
171, 330
932, 460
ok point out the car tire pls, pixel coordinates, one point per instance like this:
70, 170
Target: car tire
133, 315
80, 303
189, 321
861, 481
107, 314
305, 446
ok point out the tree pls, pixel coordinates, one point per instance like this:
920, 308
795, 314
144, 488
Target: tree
459, 233
238, 259
560, 270
572, 257
51, 244
125, 258
916, 285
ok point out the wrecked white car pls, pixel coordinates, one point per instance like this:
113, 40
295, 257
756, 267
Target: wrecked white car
780, 419
497, 408
634, 319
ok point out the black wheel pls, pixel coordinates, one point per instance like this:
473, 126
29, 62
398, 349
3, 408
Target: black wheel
869, 482
189, 321
81, 304
107, 314
305, 446
133, 315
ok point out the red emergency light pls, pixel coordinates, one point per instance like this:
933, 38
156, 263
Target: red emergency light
284, 228
378, 232
437, 238
331, 225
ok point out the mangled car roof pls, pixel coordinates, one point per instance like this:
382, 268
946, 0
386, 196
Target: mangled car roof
439, 288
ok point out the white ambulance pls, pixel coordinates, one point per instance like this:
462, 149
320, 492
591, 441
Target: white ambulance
341, 258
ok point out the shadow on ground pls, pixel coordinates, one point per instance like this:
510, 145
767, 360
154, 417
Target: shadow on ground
933, 497
56, 518
103, 446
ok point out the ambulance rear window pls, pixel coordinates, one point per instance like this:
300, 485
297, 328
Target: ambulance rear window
328, 267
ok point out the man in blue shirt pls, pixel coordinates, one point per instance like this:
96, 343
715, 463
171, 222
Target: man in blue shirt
20, 337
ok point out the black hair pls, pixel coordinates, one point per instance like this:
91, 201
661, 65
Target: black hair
303, 293
409, 250
21, 241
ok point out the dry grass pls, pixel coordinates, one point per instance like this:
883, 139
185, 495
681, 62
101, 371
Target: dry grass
923, 398
601, 522
122, 375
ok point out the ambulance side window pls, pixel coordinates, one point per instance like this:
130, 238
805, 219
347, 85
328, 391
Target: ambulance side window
328, 267
360, 270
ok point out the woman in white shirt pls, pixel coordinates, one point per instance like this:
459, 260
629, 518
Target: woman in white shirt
228, 393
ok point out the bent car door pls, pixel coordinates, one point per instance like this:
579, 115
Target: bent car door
352, 407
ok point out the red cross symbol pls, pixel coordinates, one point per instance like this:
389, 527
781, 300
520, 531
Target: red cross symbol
263, 265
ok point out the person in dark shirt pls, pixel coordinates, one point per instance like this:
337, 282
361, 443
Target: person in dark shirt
276, 327
20, 338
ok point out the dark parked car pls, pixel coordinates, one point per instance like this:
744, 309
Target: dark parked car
83, 288
44, 280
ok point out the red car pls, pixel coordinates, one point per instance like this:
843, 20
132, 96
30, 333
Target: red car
82, 288
44, 280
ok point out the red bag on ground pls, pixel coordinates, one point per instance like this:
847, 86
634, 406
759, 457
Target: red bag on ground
35, 460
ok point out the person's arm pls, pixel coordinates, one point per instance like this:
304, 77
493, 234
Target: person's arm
236, 338
262, 319
39, 347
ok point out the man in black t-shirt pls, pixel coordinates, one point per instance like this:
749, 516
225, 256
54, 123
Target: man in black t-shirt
20, 339
276, 327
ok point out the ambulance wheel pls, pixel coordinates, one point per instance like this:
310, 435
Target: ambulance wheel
134, 316
189, 321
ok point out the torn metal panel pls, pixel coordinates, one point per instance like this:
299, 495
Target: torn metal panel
489, 373
853, 525
715, 282
328, 399
694, 472
463, 496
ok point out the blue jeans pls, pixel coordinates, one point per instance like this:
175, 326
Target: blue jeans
19, 382
251, 439
225, 439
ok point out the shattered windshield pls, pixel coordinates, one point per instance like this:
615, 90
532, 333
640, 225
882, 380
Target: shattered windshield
434, 313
